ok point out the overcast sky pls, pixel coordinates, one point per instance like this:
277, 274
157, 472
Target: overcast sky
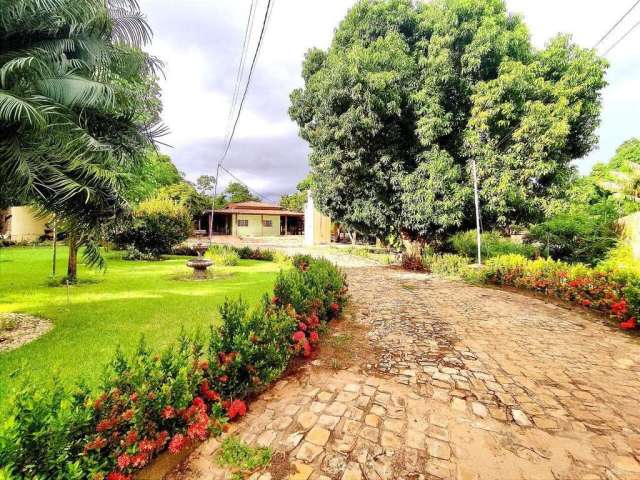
200, 42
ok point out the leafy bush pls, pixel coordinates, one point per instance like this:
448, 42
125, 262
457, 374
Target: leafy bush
604, 288
156, 227
133, 253
148, 403
236, 453
248, 253
184, 250
446, 264
582, 234
223, 255
412, 262
492, 244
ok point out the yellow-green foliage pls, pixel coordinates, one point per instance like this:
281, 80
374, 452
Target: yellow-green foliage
222, 255
621, 262
161, 205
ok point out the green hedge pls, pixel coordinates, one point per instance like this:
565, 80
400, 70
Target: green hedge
149, 402
607, 288
492, 245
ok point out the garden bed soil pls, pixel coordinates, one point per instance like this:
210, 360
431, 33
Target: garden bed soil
25, 329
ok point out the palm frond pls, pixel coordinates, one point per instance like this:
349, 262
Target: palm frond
73, 90
20, 110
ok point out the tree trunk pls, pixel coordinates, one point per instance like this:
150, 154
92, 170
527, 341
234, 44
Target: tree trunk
354, 237
412, 245
72, 263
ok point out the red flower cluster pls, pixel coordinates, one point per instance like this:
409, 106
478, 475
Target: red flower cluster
235, 408
210, 395
596, 289
619, 308
177, 443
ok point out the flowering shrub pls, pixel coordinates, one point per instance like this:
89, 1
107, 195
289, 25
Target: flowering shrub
603, 289
413, 262
148, 403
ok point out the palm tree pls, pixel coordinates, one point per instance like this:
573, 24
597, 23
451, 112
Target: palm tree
77, 106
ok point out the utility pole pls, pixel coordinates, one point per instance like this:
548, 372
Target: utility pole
213, 204
477, 202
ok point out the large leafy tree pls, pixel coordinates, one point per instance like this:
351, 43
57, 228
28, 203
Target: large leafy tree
621, 175
78, 107
408, 93
238, 192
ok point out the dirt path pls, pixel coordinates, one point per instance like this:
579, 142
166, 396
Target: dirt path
437, 379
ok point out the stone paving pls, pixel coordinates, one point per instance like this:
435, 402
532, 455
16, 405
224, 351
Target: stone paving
457, 382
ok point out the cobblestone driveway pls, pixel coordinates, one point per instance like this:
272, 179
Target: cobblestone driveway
451, 381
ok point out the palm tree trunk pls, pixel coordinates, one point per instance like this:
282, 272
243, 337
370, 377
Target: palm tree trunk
72, 263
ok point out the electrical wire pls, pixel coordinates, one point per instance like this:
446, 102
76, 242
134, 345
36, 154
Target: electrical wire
615, 44
615, 25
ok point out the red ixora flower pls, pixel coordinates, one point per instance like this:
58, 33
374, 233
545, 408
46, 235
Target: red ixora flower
161, 439
131, 438
298, 336
127, 415
335, 307
210, 395
96, 444
307, 348
586, 302
134, 397
168, 412
123, 461
619, 308
107, 424
147, 446
302, 326
629, 324
177, 443
236, 408
117, 476
314, 337
139, 460
223, 378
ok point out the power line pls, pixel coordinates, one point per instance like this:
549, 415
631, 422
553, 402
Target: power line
265, 21
615, 25
240, 73
260, 196
622, 37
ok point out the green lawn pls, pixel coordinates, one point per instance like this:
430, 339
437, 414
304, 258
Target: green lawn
113, 308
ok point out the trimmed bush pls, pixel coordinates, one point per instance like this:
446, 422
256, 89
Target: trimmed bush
149, 402
492, 245
223, 255
446, 264
156, 227
605, 288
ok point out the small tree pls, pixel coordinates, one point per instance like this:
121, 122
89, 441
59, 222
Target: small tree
157, 225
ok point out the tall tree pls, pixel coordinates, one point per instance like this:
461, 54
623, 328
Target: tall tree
238, 192
408, 93
295, 201
78, 107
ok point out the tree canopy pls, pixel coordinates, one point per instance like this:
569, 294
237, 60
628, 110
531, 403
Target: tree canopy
407, 94
78, 104
296, 200
238, 192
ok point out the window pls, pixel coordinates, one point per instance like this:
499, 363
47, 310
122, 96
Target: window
267, 223
243, 223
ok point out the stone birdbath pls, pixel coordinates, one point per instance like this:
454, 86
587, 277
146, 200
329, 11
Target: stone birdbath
199, 263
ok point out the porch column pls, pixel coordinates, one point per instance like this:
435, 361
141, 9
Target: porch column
286, 225
210, 225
